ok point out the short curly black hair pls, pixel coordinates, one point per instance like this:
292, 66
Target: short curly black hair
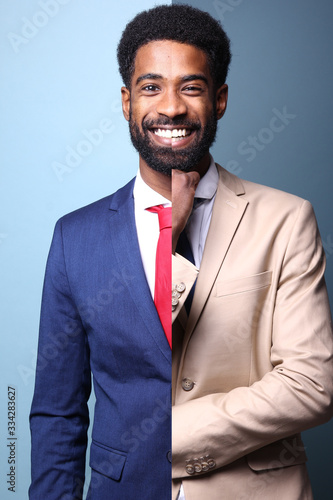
180, 23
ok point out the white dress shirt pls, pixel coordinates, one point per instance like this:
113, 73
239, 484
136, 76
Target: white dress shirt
147, 226
148, 231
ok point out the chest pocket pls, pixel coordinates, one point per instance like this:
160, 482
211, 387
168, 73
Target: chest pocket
243, 285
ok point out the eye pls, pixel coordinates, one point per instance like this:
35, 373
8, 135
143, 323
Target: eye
192, 89
150, 87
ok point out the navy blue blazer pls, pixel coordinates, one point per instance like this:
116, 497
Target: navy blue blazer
98, 317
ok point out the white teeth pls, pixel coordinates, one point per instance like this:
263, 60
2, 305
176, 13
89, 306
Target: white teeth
172, 133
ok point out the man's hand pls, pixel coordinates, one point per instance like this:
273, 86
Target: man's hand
184, 185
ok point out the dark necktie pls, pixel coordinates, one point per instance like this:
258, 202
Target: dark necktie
184, 249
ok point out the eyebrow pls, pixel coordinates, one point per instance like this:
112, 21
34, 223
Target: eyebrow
148, 76
199, 76
185, 78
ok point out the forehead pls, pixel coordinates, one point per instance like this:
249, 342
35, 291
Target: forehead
170, 59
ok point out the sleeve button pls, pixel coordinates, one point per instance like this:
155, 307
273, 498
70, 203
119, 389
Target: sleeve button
197, 467
187, 384
211, 463
190, 469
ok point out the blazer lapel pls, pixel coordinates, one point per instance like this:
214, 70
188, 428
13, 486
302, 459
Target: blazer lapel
227, 214
126, 249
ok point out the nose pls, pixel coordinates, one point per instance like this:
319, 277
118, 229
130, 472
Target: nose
171, 104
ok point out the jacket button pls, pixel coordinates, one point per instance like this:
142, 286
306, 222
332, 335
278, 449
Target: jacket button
181, 287
169, 456
187, 384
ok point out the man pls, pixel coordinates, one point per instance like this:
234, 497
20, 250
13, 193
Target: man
252, 354
98, 315
174, 95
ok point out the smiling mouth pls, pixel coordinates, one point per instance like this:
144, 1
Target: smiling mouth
176, 134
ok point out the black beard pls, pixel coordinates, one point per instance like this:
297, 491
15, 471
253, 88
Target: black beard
165, 159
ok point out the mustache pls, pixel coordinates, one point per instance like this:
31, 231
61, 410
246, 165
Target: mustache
166, 122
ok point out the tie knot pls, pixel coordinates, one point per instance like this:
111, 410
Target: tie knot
164, 215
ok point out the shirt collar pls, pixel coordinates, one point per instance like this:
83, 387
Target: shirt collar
208, 183
145, 196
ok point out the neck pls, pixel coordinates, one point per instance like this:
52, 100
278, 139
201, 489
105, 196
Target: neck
159, 182
203, 165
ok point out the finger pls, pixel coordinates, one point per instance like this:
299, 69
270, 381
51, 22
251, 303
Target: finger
185, 179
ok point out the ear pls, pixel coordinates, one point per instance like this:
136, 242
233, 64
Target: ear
221, 100
126, 102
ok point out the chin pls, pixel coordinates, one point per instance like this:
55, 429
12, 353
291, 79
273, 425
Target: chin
167, 167
164, 159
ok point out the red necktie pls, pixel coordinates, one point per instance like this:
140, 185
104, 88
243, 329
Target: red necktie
162, 295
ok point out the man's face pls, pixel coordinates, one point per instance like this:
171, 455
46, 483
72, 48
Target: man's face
172, 107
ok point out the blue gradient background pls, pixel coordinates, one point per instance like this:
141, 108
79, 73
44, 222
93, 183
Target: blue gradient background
65, 80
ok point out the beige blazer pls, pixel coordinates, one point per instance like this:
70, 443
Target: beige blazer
252, 364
